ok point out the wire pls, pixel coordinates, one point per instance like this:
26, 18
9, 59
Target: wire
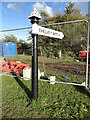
67, 22
60, 23
15, 29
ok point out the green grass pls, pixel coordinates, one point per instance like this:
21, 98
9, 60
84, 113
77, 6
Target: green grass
40, 59
54, 101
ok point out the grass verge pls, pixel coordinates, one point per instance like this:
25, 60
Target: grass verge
54, 101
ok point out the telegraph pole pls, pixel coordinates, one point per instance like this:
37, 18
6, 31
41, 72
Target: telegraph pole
35, 17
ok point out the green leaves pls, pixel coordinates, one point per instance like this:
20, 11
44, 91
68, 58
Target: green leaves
73, 32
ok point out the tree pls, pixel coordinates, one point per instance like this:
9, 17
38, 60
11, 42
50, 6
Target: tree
71, 13
9, 38
69, 8
73, 33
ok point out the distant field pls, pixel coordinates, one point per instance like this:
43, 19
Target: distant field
54, 101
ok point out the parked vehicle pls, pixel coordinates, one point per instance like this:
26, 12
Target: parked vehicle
83, 55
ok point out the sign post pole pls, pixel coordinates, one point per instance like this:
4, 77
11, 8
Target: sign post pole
35, 17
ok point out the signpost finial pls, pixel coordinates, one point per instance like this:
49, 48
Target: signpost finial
35, 14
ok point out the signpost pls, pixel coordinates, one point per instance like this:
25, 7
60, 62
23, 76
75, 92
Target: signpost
38, 30
35, 17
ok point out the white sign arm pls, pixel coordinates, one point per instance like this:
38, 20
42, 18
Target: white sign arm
46, 32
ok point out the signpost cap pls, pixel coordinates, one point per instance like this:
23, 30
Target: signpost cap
34, 14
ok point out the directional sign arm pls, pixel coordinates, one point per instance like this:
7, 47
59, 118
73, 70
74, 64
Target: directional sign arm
46, 32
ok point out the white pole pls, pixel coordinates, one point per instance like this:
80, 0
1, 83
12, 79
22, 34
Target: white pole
87, 81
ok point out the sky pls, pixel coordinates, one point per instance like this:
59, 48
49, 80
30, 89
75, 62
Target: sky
15, 14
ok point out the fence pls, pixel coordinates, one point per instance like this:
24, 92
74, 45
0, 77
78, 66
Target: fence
66, 68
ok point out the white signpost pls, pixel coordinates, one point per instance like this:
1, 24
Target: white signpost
36, 29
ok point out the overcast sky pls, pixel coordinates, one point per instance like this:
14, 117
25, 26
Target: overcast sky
15, 14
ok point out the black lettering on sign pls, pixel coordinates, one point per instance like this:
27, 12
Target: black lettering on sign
43, 31
40, 30
56, 34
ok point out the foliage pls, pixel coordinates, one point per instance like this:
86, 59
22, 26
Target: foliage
9, 38
73, 33
69, 9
